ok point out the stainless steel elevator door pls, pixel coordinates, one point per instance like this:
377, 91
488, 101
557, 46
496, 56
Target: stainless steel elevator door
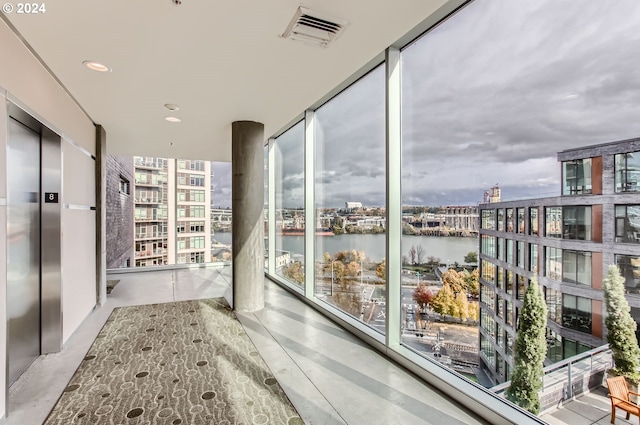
23, 248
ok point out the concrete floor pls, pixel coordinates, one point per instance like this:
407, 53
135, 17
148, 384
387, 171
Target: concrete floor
590, 409
330, 376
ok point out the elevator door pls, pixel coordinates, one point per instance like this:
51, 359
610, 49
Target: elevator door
23, 247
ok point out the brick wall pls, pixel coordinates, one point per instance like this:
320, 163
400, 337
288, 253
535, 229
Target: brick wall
119, 212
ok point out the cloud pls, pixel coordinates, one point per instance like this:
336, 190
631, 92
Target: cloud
489, 96
221, 184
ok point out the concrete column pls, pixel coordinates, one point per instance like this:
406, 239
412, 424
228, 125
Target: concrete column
247, 166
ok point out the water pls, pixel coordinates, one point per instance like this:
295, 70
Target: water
223, 237
447, 249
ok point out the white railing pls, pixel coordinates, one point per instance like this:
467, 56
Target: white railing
570, 377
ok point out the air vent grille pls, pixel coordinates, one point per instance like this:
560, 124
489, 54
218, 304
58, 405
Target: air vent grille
313, 28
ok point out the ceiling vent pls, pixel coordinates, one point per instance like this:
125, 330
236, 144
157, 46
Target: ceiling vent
313, 28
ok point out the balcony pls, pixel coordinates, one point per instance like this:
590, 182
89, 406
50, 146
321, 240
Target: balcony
150, 235
154, 200
151, 253
151, 165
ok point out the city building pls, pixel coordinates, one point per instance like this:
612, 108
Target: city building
152, 196
120, 211
193, 206
172, 217
567, 242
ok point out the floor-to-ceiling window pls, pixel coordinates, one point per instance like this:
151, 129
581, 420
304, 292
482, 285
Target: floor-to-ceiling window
289, 204
490, 95
350, 200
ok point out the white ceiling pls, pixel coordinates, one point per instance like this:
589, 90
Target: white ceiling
220, 61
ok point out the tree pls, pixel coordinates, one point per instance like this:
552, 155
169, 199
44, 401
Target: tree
408, 229
442, 301
353, 269
433, 260
455, 280
471, 258
412, 254
530, 351
621, 327
420, 253
422, 296
337, 270
381, 270
474, 311
472, 282
460, 306
294, 272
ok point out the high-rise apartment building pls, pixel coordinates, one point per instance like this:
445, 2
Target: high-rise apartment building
193, 205
171, 218
567, 243
151, 211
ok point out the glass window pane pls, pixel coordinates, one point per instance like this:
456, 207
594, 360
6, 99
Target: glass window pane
350, 198
289, 188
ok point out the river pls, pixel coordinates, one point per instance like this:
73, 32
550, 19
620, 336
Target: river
447, 249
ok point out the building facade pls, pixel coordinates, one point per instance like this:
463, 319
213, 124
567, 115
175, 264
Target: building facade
119, 175
151, 213
172, 223
193, 206
567, 243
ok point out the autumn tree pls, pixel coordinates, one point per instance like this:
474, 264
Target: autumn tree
422, 296
353, 269
381, 270
621, 328
455, 280
442, 301
461, 306
474, 311
472, 280
294, 272
530, 351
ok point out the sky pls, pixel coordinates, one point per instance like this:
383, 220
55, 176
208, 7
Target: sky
488, 97
221, 184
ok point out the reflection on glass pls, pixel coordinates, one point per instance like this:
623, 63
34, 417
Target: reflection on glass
627, 169
576, 177
350, 198
629, 266
628, 223
289, 189
266, 206
576, 223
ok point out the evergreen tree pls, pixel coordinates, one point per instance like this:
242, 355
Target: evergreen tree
621, 328
530, 351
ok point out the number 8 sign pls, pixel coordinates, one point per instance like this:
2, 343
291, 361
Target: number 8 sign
51, 197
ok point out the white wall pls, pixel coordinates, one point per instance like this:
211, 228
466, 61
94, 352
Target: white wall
78, 237
28, 84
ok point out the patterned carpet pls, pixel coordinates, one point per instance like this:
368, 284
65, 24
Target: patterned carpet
177, 363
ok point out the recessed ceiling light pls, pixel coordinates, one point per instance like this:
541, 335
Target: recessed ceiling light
171, 106
96, 66
173, 119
